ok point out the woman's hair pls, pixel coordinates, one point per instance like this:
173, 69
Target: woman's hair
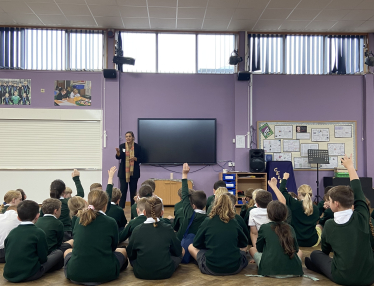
56, 189
9, 196
223, 208
76, 204
306, 192
130, 132
97, 201
153, 209
22, 194
277, 212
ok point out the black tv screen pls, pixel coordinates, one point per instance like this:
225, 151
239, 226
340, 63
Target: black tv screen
177, 141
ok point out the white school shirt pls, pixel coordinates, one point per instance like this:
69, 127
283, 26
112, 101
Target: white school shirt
8, 221
50, 215
257, 217
151, 220
200, 211
343, 216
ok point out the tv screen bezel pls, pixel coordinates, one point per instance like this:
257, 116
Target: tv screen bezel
177, 164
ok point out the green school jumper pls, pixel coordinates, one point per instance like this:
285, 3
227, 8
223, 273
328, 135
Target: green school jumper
274, 260
246, 217
134, 213
243, 225
126, 233
4, 209
222, 242
210, 208
93, 258
177, 219
152, 257
353, 260
26, 249
118, 214
73, 222
187, 213
243, 210
54, 231
177, 206
304, 226
327, 214
371, 236
209, 202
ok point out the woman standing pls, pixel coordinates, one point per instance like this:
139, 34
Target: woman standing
130, 155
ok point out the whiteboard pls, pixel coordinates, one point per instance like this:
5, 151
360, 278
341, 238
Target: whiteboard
339, 137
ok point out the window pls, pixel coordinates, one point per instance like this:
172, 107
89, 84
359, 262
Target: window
305, 54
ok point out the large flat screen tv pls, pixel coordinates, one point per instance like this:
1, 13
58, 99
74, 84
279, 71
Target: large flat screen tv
177, 141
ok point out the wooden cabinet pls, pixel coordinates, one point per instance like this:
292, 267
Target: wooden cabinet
167, 190
245, 180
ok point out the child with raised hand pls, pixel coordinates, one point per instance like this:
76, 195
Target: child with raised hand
26, 248
305, 214
249, 202
277, 252
116, 211
347, 235
164, 248
11, 198
95, 257
8, 221
219, 240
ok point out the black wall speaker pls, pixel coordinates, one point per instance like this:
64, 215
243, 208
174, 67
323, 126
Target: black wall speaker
257, 160
110, 73
244, 76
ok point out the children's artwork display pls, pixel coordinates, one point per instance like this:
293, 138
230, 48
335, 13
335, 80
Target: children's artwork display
72, 93
291, 141
15, 91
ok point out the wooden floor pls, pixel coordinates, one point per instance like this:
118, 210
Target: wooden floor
188, 275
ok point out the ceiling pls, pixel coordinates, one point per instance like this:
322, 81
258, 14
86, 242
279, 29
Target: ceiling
195, 15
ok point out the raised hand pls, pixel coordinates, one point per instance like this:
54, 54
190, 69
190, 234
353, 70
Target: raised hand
185, 170
273, 183
286, 176
118, 153
112, 171
347, 161
75, 173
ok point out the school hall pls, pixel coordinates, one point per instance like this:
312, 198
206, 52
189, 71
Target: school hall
71, 95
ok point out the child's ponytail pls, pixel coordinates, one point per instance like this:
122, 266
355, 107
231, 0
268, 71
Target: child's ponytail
8, 197
306, 192
56, 189
153, 209
97, 201
75, 205
277, 212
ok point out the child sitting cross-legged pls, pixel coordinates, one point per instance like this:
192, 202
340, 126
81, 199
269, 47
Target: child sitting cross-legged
327, 213
141, 218
26, 248
76, 204
249, 202
154, 241
116, 211
11, 198
217, 246
218, 192
347, 235
210, 199
145, 191
8, 221
277, 252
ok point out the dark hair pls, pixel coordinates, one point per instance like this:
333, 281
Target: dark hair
342, 194
56, 189
198, 198
130, 132
153, 209
22, 194
180, 192
219, 184
151, 183
27, 210
277, 212
50, 205
263, 198
327, 189
145, 191
232, 198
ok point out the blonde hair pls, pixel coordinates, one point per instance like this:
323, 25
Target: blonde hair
98, 200
141, 204
68, 190
116, 195
76, 204
306, 192
153, 209
9, 196
224, 208
220, 191
254, 195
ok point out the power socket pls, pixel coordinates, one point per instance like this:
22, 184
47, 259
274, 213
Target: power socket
231, 164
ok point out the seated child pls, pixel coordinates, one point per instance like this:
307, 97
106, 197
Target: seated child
95, 186
159, 257
347, 235
238, 218
76, 204
26, 248
178, 215
11, 198
178, 205
95, 257
216, 185
194, 203
8, 221
277, 252
218, 242
320, 205
259, 215
246, 217
53, 228
219, 192
140, 207
24, 197
327, 212
68, 193
116, 211
249, 202
305, 214
293, 195
145, 191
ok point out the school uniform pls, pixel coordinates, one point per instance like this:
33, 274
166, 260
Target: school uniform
118, 214
177, 206
321, 209
188, 211
210, 208
219, 245
134, 213
8, 221
73, 222
54, 231
209, 202
126, 233
93, 259
347, 235
243, 210
178, 219
4, 209
371, 235
246, 217
258, 217
304, 226
327, 214
26, 254
156, 258
242, 224
274, 261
